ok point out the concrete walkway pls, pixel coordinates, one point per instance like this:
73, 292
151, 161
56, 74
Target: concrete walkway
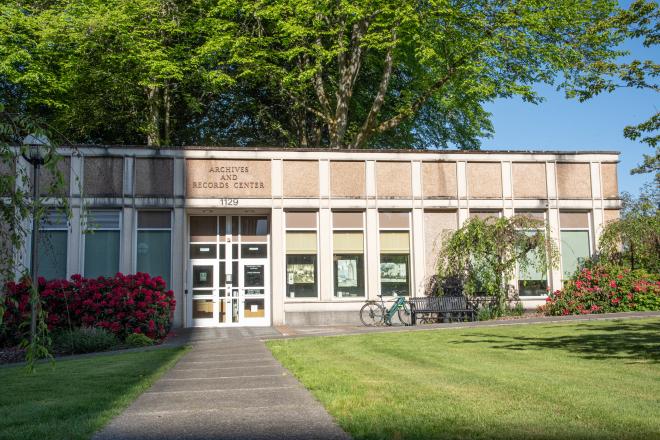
228, 386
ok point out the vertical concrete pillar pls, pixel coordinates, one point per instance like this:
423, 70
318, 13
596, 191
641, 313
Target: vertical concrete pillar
326, 285
127, 240
179, 269
277, 266
372, 254
461, 183
418, 252
597, 214
553, 221
507, 190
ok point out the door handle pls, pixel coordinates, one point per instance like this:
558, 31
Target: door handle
185, 292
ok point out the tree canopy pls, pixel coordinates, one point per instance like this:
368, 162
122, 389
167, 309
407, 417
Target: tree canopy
360, 74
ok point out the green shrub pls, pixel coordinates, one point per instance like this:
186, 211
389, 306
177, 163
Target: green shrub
84, 340
138, 340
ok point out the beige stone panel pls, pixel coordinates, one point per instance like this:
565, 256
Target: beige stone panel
529, 181
573, 220
484, 180
437, 225
301, 178
611, 215
347, 179
610, 181
573, 181
393, 179
439, 179
154, 177
104, 176
213, 178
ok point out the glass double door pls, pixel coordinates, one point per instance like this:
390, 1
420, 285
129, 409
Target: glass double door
229, 270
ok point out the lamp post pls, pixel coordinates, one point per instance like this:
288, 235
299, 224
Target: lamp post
35, 156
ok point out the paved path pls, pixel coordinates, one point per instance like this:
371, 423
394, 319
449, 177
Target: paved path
228, 386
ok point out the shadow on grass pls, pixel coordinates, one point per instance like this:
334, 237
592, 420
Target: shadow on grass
639, 341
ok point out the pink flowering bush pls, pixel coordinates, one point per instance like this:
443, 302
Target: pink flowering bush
123, 305
602, 289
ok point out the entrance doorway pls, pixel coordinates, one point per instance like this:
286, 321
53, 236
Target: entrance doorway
229, 270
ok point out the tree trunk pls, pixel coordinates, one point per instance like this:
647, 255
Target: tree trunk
153, 118
166, 116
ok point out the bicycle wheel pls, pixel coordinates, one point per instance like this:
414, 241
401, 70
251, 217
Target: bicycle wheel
372, 314
404, 315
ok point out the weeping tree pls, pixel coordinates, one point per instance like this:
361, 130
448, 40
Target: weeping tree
484, 254
634, 240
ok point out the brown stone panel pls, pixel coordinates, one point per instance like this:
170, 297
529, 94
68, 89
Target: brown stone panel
104, 176
529, 181
347, 179
213, 178
610, 181
484, 180
154, 177
301, 178
393, 179
436, 225
573, 181
439, 179
48, 178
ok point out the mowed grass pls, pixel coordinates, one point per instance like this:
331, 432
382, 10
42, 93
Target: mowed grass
587, 380
75, 398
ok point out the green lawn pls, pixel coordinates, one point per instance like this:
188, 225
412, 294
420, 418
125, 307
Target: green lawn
598, 379
75, 398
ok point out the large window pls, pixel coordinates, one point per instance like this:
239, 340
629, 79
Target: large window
154, 243
394, 253
102, 243
301, 255
348, 258
575, 241
52, 245
531, 281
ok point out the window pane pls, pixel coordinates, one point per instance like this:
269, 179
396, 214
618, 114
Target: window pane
301, 242
153, 253
574, 220
203, 228
154, 219
394, 275
349, 276
394, 242
254, 228
348, 242
393, 220
52, 254
352, 220
301, 276
202, 308
574, 250
301, 220
102, 220
253, 275
101, 254
254, 308
532, 288
202, 251
54, 219
254, 251
202, 276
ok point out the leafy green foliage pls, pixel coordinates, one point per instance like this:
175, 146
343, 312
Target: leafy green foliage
139, 340
486, 252
84, 340
633, 241
281, 72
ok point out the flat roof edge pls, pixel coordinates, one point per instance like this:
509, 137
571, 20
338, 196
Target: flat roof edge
335, 150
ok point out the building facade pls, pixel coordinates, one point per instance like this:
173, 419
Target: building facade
289, 236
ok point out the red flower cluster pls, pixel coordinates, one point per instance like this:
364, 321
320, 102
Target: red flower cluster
123, 304
602, 289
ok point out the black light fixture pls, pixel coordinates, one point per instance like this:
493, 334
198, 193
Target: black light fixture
35, 155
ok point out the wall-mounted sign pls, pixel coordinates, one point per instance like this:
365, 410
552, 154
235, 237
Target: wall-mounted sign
227, 179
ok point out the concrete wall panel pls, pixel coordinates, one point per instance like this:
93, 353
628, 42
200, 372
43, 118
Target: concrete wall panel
610, 181
393, 179
439, 179
484, 180
301, 178
529, 181
347, 179
104, 176
573, 181
154, 177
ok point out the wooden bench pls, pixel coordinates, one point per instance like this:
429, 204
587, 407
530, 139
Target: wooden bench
445, 308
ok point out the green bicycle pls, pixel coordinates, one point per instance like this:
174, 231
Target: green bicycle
374, 313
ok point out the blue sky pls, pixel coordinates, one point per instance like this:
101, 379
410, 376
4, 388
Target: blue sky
563, 124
